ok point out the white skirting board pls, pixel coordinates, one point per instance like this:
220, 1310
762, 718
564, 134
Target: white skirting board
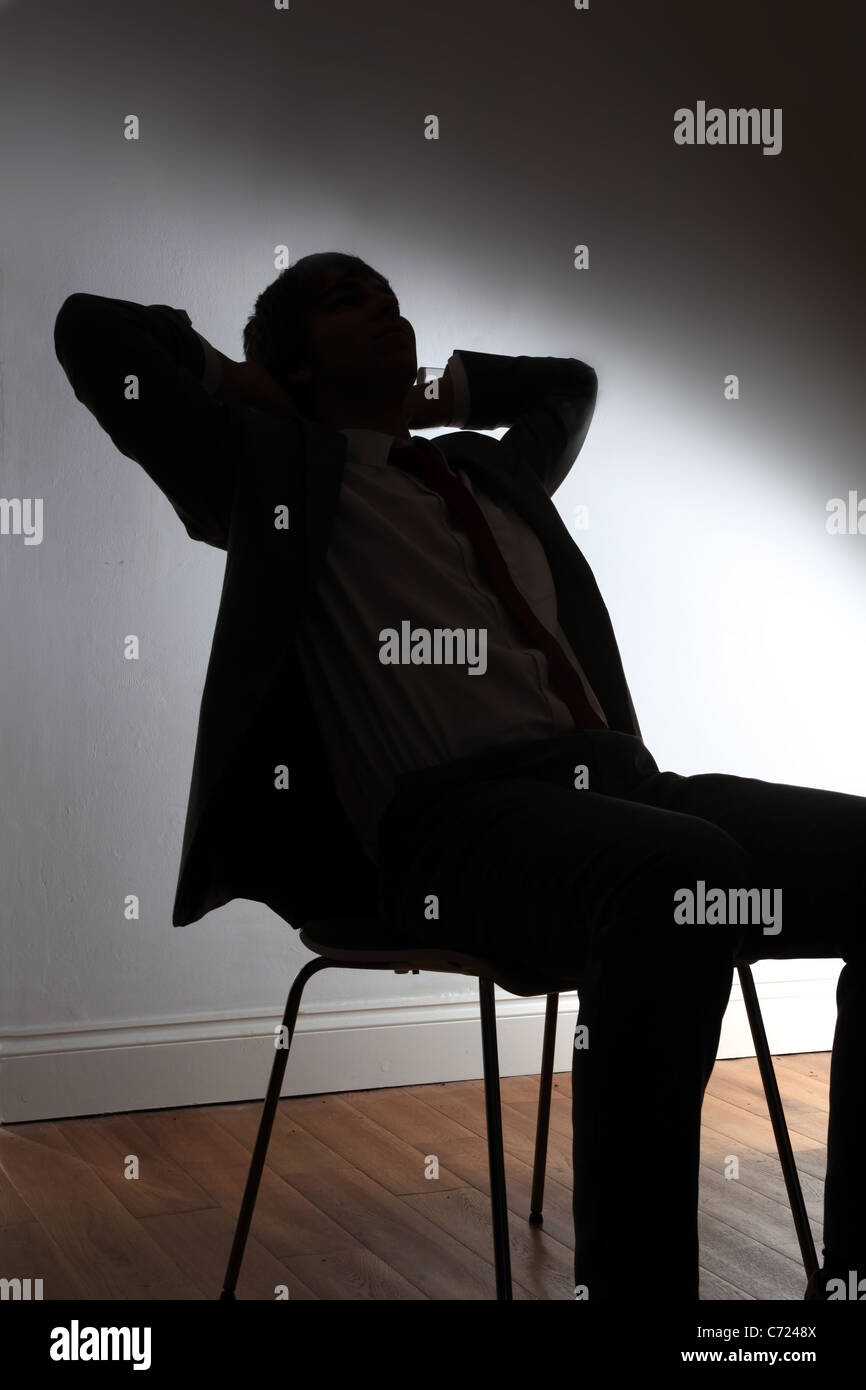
62, 1072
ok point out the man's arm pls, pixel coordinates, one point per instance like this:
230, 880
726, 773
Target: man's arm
547, 402
186, 438
244, 383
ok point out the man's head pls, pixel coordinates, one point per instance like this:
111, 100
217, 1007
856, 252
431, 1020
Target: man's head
329, 329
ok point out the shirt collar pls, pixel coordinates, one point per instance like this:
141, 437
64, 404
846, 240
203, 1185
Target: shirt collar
372, 447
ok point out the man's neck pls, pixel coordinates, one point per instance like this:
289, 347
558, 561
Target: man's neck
391, 421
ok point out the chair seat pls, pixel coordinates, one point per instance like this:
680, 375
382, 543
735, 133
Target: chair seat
365, 941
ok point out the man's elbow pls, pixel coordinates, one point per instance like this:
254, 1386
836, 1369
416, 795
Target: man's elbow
67, 324
71, 308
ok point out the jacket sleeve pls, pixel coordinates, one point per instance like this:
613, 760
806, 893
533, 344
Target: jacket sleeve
185, 438
546, 402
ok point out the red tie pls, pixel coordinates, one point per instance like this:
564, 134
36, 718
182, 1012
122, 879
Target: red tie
425, 461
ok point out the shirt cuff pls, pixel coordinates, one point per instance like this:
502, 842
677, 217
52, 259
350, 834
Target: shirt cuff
210, 379
460, 412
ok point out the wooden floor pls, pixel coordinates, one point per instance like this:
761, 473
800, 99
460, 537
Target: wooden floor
345, 1210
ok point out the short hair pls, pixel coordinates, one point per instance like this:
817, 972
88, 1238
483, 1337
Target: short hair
276, 333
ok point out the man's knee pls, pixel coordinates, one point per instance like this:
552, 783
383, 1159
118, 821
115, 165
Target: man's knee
691, 881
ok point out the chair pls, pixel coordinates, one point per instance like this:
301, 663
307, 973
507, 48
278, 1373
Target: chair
334, 940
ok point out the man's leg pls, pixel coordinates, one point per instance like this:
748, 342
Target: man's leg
525, 866
811, 843
652, 1000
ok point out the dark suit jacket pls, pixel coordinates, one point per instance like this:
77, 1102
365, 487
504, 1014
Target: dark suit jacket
225, 467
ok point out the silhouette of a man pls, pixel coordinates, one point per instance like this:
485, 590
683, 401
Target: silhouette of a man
519, 816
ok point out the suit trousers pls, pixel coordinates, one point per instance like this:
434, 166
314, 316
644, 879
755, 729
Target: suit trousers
567, 853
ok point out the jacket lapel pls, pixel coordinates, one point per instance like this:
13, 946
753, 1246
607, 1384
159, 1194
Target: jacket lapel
324, 461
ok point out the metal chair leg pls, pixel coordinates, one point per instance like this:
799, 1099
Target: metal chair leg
543, 1124
501, 1247
777, 1116
499, 1203
257, 1163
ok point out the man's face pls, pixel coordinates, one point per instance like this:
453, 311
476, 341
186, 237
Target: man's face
357, 336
